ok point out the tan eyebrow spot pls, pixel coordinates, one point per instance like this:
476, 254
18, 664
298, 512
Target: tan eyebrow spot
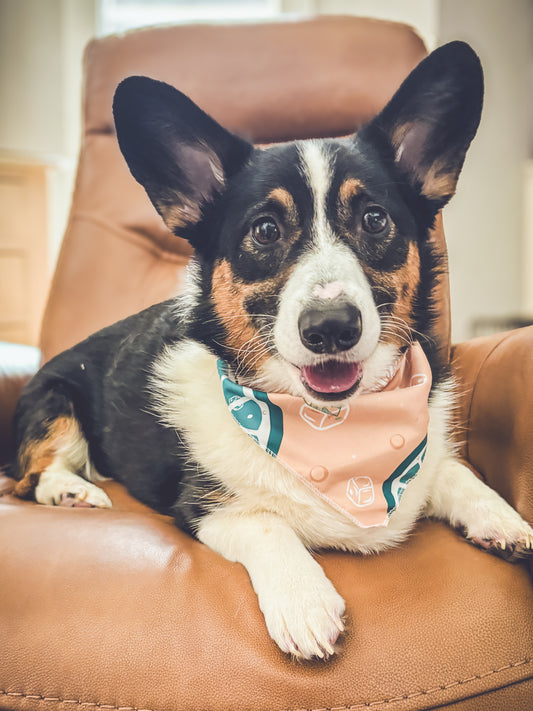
285, 199
349, 189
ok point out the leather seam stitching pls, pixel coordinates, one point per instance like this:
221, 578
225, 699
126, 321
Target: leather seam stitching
353, 707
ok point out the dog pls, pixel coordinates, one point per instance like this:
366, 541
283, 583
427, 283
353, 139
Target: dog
293, 399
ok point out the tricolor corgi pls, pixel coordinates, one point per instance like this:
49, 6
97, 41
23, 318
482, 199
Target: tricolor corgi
293, 398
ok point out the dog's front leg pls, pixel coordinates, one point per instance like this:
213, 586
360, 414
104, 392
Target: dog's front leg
302, 609
486, 519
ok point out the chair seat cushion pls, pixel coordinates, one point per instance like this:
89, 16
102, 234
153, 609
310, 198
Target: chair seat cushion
118, 609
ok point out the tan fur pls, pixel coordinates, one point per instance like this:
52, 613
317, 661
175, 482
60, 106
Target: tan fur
348, 190
404, 282
35, 456
439, 183
229, 295
285, 199
180, 214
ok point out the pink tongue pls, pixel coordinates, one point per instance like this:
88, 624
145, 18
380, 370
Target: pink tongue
332, 376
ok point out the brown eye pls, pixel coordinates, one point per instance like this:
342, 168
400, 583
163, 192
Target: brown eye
375, 220
265, 231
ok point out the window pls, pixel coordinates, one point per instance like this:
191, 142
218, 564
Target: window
121, 15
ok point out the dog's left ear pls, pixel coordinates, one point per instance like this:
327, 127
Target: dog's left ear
432, 119
179, 154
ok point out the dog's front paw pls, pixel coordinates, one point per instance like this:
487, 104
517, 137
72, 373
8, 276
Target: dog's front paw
502, 531
305, 620
63, 488
480, 513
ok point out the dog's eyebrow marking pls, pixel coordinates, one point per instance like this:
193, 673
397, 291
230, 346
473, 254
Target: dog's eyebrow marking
317, 172
285, 199
349, 189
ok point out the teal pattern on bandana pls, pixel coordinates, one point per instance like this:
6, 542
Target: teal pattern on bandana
396, 484
253, 411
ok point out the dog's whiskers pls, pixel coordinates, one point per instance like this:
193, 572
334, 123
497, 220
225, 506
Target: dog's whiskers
397, 327
252, 352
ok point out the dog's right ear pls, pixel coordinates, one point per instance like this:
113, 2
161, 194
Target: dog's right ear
179, 154
431, 120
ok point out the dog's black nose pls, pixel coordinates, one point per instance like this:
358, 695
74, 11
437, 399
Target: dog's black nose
330, 329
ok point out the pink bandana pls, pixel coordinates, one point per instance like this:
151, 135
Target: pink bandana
359, 457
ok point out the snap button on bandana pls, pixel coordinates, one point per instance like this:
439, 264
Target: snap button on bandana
360, 456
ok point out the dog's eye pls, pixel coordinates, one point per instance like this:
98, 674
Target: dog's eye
265, 231
375, 220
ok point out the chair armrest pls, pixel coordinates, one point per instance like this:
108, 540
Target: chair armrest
495, 382
18, 364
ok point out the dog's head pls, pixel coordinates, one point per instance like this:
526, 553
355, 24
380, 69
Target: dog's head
314, 268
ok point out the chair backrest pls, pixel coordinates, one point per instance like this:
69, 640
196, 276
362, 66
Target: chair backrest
269, 82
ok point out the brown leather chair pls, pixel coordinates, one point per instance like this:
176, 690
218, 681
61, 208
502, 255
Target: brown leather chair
117, 609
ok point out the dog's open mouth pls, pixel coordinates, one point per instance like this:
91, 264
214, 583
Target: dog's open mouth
332, 379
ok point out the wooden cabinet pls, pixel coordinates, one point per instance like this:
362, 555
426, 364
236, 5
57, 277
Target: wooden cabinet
25, 198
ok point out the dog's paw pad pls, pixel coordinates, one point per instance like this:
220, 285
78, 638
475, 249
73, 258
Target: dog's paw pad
69, 490
84, 496
71, 500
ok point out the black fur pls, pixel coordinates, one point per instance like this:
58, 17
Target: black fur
210, 187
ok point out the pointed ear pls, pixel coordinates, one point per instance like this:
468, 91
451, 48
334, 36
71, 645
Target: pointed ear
179, 154
432, 119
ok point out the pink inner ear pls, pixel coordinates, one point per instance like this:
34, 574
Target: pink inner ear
203, 171
412, 149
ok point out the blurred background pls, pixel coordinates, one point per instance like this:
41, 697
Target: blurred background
489, 224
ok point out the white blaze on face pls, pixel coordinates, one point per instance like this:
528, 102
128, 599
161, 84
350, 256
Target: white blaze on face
328, 271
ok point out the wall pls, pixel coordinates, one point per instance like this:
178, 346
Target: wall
422, 14
485, 221
31, 75
41, 47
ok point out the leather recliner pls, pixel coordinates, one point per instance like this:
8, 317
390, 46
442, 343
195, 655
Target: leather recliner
119, 610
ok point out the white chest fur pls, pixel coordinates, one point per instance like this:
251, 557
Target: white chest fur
189, 398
